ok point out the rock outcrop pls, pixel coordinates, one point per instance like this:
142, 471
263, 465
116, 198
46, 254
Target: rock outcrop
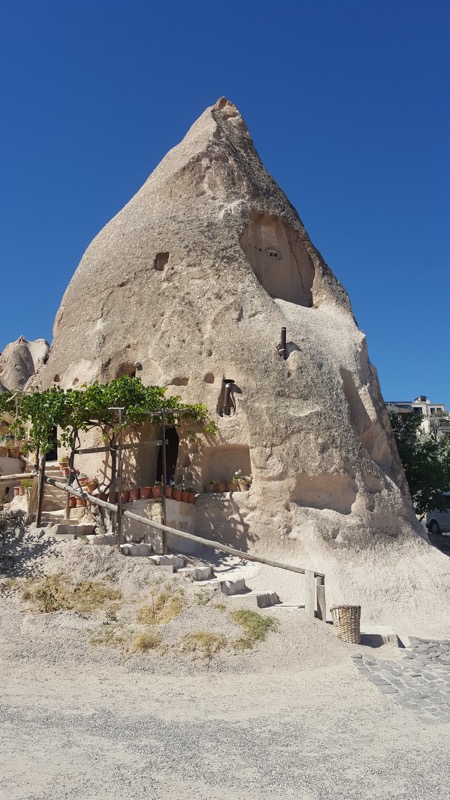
19, 361
193, 281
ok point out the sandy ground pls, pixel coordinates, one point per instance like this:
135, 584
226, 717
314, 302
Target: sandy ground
291, 718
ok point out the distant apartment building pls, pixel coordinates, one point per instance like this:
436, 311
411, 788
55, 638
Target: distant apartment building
435, 417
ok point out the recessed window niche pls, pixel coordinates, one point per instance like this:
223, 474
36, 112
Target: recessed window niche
223, 461
278, 258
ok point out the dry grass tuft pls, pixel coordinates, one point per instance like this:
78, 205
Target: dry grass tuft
207, 644
146, 641
256, 627
165, 606
56, 593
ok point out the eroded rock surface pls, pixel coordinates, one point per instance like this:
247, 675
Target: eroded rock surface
193, 280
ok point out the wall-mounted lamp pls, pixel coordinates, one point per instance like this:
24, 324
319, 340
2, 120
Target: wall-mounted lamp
228, 402
282, 349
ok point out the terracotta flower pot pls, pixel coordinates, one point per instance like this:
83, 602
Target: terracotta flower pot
125, 495
168, 491
222, 486
176, 494
72, 502
233, 486
210, 487
184, 497
65, 472
135, 494
91, 486
14, 452
83, 481
157, 491
146, 492
79, 502
191, 497
16, 491
244, 486
21, 490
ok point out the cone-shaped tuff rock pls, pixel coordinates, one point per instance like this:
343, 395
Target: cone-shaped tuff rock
194, 280
19, 361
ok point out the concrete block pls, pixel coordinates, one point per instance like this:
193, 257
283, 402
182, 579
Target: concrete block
130, 549
64, 529
169, 568
168, 560
197, 573
267, 599
377, 635
256, 599
233, 587
103, 538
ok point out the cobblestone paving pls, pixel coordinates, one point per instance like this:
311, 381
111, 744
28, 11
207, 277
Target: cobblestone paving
419, 680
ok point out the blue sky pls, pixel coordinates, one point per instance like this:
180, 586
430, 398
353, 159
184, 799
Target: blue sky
348, 103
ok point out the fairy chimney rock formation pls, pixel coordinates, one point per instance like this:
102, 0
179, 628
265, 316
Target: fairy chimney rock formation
194, 280
19, 361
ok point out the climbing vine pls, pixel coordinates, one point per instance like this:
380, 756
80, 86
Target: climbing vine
73, 411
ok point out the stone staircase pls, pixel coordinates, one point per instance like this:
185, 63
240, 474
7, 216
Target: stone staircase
54, 499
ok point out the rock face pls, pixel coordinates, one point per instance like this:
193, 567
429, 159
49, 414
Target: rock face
194, 280
19, 362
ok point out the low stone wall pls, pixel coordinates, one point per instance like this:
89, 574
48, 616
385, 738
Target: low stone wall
179, 515
10, 466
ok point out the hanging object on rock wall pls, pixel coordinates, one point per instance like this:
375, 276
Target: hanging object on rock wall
282, 349
228, 403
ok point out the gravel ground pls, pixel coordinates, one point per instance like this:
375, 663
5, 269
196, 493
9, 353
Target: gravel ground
295, 717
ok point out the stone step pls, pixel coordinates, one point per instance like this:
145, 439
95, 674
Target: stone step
196, 573
171, 560
131, 549
256, 599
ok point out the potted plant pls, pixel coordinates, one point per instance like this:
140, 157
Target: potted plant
125, 495
63, 462
135, 493
244, 481
72, 502
146, 492
184, 494
169, 489
210, 487
83, 479
176, 492
222, 485
190, 495
233, 485
91, 485
157, 489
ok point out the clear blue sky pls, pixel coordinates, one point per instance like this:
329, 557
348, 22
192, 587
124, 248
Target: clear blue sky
348, 103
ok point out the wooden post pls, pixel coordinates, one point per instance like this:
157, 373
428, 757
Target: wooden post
310, 593
41, 491
113, 486
164, 478
120, 483
320, 595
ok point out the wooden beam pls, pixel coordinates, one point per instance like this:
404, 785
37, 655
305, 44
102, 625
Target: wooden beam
87, 450
310, 593
320, 596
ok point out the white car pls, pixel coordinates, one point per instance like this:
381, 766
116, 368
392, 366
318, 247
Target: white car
439, 521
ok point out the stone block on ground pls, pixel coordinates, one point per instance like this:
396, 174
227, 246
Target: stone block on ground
256, 599
70, 530
233, 587
103, 538
197, 573
130, 549
168, 560
377, 635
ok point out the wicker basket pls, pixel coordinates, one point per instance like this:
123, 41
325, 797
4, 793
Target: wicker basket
347, 621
